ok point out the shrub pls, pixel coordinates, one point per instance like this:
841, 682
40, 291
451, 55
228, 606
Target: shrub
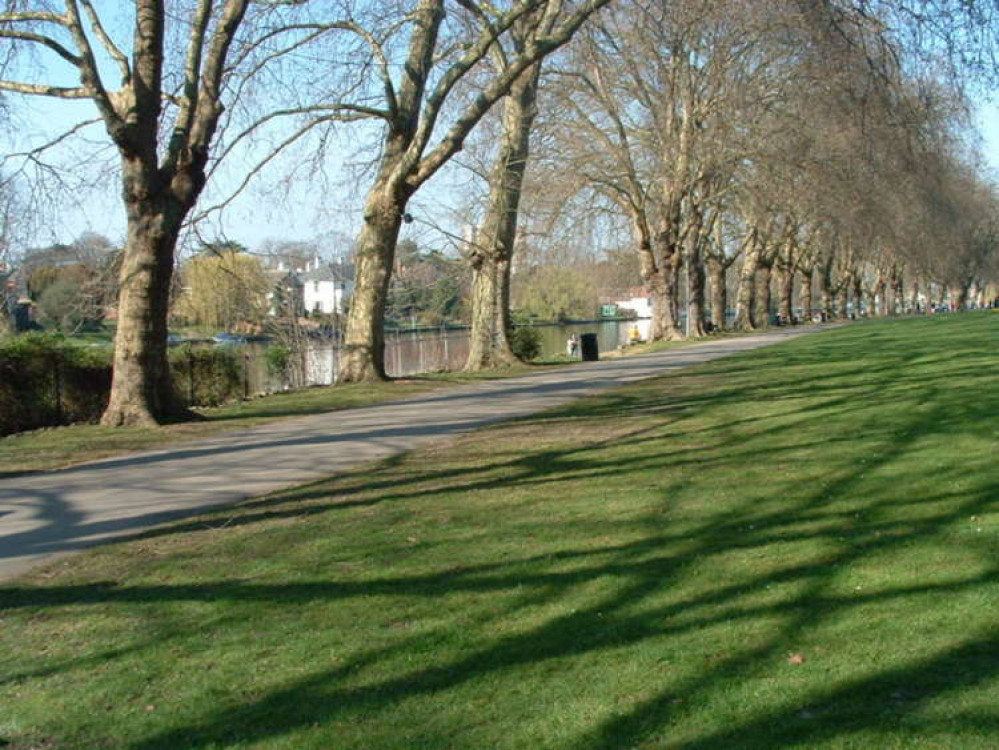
207, 376
278, 358
525, 342
45, 381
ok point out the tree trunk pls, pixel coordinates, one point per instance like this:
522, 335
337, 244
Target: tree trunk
489, 345
491, 260
842, 300
762, 306
785, 287
364, 343
880, 297
695, 275
858, 294
806, 295
744, 299
718, 292
826, 290
695, 294
898, 290
141, 391
663, 291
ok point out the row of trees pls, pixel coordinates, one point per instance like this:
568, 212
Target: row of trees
808, 140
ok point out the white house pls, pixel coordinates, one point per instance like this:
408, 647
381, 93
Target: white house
326, 286
641, 305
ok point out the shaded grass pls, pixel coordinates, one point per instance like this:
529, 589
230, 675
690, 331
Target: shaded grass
794, 547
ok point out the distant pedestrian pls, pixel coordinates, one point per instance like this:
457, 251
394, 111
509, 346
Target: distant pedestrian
572, 346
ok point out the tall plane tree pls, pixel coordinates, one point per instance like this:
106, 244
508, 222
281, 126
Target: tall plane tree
490, 256
162, 122
439, 57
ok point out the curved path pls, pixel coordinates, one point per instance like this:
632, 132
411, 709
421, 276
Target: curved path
59, 512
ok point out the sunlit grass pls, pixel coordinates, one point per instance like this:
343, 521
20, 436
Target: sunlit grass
794, 547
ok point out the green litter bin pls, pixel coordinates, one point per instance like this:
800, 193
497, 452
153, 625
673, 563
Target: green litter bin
588, 347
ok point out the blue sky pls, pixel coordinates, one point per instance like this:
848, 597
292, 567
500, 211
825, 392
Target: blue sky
302, 214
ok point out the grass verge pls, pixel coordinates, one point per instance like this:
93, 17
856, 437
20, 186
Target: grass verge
794, 547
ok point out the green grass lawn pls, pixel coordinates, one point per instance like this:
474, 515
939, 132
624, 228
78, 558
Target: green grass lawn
795, 547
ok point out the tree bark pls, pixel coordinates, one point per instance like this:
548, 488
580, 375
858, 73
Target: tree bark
898, 292
826, 289
142, 393
695, 278
762, 306
842, 299
718, 292
745, 296
806, 295
880, 297
491, 257
785, 288
665, 288
363, 357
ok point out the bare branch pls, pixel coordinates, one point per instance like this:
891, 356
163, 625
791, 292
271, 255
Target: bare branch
112, 49
37, 89
52, 44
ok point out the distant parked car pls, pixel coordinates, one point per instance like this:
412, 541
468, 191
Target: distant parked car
228, 338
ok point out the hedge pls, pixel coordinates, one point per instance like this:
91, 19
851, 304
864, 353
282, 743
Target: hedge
46, 381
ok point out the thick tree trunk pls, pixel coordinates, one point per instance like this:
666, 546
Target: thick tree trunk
141, 391
363, 356
491, 258
695, 277
806, 295
785, 290
695, 301
744, 298
858, 294
961, 294
718, 292
664, 293
898, 292
662, 279
761, 311
489, 345
826, 290
880, 297
842, 300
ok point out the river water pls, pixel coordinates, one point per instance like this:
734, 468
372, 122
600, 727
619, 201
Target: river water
428, 350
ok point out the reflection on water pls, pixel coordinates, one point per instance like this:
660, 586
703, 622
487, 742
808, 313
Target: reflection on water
418, 351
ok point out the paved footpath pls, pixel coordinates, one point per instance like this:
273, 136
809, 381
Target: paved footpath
55, 513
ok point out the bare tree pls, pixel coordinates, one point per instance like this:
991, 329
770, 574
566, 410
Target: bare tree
163, 136
412, 106
490, 254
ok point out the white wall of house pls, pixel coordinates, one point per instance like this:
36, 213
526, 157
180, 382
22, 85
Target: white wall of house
641, 305
325, 296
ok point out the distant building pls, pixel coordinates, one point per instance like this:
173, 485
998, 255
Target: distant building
640, 303
315, 286
327, 287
